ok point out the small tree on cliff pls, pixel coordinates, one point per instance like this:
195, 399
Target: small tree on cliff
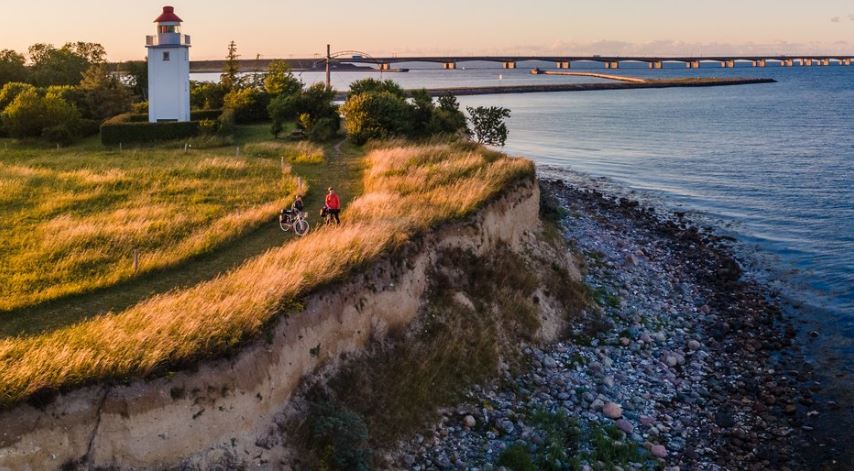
487, 124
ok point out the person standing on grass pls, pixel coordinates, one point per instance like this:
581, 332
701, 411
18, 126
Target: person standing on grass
333, 205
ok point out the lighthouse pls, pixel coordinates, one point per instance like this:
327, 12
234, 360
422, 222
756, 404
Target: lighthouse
168, 70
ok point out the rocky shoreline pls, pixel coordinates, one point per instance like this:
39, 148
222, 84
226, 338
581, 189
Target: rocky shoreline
684, 364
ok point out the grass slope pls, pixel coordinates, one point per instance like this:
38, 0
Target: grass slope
72, 220
407, 189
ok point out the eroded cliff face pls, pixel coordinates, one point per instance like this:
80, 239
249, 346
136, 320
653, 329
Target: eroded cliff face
230, 412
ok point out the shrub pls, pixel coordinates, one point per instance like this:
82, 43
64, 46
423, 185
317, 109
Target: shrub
340, 438
10, 91
312, 106
376, 115
113, 134
323, 129
206, 95
59, 134
30, 113
207, 126
139, 108
201, 115
249, 104
516, 458
227, 122
370, 85
87, 127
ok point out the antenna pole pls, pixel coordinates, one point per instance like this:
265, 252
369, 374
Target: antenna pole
328, 61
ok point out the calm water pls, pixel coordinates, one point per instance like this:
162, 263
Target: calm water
770, 164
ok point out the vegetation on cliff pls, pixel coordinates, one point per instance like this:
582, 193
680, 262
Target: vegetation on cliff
407, 189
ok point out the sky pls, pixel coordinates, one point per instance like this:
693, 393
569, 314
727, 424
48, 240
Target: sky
289, 28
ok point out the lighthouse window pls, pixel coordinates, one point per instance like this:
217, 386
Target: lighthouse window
169, 29
165, 56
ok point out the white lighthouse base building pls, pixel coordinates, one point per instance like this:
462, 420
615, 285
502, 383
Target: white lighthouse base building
168, 70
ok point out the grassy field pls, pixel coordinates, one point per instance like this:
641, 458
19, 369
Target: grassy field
406, 189
73, 219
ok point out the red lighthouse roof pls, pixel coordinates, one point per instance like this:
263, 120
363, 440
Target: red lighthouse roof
168, 16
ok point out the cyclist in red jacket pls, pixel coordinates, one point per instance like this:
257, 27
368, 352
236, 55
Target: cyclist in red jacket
333, 205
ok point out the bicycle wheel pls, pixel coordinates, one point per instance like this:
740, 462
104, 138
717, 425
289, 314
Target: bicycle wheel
284, 225
301, 227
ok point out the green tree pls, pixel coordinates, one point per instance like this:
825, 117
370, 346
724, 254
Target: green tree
137, 72
316, 103
488, 124
10, 91
30, 113
12, 68
230, 77
280, 81
249, 104
422, 113
370, 85
106, 96
64, 66
207, 95
376, 115
70, 94
447, 117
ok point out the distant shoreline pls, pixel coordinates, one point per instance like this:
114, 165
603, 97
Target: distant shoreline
584, 87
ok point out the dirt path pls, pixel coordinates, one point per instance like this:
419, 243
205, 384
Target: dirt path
341, 170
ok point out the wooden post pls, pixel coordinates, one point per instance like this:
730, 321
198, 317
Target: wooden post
120, 146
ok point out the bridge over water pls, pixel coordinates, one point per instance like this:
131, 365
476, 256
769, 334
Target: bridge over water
610, 62
512, 62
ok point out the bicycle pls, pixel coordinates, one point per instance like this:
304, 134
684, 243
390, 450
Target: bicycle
294, 220
328, 217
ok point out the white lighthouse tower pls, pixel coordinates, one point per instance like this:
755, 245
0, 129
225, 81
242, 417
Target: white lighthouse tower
168, 70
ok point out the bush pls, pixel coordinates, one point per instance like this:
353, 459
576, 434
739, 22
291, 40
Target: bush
59, 134
370, 85
201, 115
516, 458
10, 91
116, 133
30, 113
323, 129
207, 127
376, 115
227, 122
139, 108
340, 438
311, 107
206, 95
249, 104
87, 127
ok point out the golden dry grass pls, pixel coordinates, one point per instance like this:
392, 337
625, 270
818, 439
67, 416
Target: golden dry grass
407, 189
72, 221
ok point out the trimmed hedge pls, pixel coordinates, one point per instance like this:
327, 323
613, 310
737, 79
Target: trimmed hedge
201, 115
113, 133
195, 115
